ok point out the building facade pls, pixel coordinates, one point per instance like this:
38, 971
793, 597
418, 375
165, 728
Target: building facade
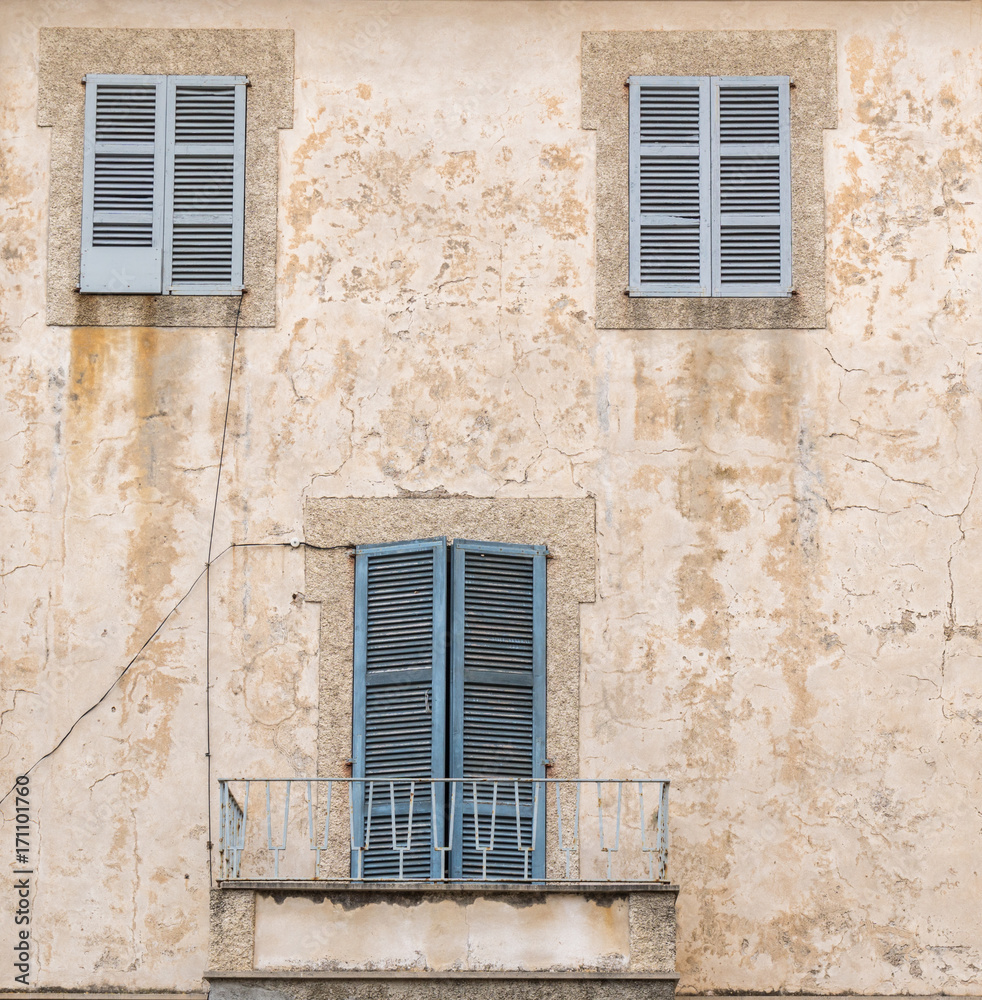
661, 313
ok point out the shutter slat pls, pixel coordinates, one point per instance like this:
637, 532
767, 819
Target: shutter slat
498, 698
749, 114
399, 697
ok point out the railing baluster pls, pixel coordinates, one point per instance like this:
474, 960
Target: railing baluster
277, 848
441, 851
327, 823
409, 829
392, 822
644, 836
409, 822
617, 830
240, 847
368, 824
559, 827
223, 822
356, 849
494, 812
663, 831
310, 826
600, 819
318, 845
518, 830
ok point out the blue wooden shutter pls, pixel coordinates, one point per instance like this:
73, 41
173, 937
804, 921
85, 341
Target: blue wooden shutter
669, 186
123, 184
751, 186
205, 196
399, 712
498, 701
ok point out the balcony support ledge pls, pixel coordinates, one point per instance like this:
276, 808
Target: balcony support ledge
334, 974
484, 888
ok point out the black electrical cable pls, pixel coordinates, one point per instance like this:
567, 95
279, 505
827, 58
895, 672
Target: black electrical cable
211, 540
206, 573
122, 673
228, 403
156, 631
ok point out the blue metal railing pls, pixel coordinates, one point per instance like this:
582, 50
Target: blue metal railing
597, 829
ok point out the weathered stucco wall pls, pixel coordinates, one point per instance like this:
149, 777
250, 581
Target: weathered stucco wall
475, 932
617, 937
788, 582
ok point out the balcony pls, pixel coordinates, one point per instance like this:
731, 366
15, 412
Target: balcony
505, 883
484, 829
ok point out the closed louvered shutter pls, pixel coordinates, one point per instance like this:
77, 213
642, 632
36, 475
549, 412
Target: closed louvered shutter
399, 709
751, 186
669, 186
205, 184
498, 704
123, 184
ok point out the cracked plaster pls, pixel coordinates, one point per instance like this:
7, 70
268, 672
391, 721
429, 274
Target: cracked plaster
788, 588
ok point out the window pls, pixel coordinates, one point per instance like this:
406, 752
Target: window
68, 56
449, 681
723, 274
163, 184
710, 186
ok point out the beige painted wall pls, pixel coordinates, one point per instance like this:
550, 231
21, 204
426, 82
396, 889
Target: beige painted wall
788, 577
558, 932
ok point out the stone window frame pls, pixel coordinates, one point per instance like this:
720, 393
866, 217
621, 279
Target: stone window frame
265, 57
333, 526
808, 57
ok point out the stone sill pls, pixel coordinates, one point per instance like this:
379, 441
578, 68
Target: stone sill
335, 974
591, 888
